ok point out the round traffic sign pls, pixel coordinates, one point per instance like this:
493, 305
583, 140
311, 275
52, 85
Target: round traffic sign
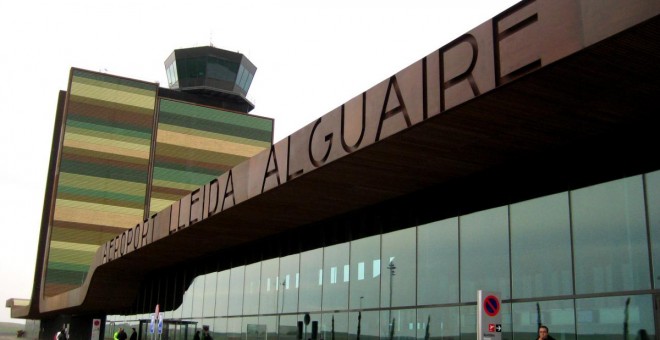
491, 305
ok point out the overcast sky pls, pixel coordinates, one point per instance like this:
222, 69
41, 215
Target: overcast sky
311, 57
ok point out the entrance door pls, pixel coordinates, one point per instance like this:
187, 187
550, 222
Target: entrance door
172, 330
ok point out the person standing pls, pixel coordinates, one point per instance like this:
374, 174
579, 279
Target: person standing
133, 335
544, 333
207, 336
61, 335
122, 334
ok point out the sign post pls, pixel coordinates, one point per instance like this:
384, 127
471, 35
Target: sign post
96, 329
489, 318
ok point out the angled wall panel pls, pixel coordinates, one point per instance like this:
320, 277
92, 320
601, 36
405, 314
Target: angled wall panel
103, 171
195, 144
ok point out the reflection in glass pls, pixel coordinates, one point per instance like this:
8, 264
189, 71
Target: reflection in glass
335, 285
222, 294
252, 329
198, 295
365, 273
400, 324
541, 247
558, 316
218, 329
311, 268
334, 326
288, 327
484, 240
270, 286
210, 284
185, 310
617, 259
270, 326
364, 323
468, 315
236, 280
251, 289
234, 327
398, 265
438, 323
653, 205
437, 258
608, 317
289, 279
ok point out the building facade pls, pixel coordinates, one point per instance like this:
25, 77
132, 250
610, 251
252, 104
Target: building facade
578, 261
519, 159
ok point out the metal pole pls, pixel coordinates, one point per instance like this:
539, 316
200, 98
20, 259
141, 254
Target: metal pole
391, 267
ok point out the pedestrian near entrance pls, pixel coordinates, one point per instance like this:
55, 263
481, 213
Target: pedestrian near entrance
133, 335
122, 334
207, 336
544, 333
196, 337
61, 335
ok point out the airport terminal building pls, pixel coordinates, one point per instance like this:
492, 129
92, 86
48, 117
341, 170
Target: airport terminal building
520, 158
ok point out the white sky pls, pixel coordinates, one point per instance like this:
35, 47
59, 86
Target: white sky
311, 57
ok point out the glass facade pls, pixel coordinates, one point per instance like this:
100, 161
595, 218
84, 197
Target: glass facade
579, 261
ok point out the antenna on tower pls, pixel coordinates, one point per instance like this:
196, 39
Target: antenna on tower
211, 39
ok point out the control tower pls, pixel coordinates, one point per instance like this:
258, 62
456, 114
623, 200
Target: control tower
222, 76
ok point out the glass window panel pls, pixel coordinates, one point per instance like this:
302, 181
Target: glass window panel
270, 287
234, 326
558, 316
399, 265
437, 275
210, 284
617, 259
608, 317
198, 295
249, 82
653, 205
218, 329
311, 263
288, 327
222, 69
335, 291
366, 324
236, 284
365, 283
269, 323
222, 293
399, 324
185, 310
438, 323
334, 326
541, 247
484, 249
252, 330
251, 289
289, 267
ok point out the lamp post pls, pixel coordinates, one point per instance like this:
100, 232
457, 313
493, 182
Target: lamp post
391, 267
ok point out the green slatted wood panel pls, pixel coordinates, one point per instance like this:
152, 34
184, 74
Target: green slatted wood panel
104, 165
195, 144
